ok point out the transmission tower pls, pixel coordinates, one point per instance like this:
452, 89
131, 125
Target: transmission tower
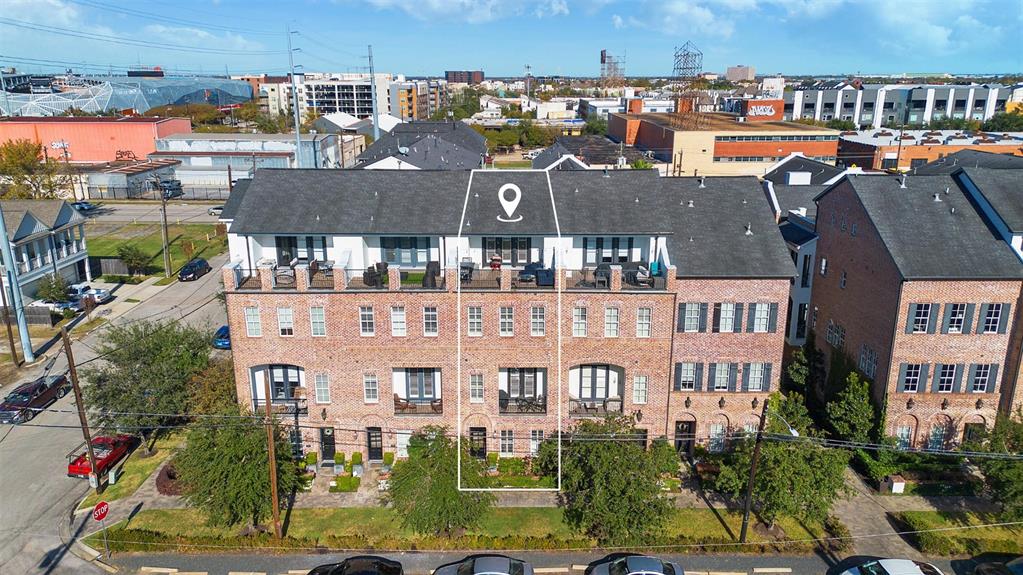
612, 71
688, 66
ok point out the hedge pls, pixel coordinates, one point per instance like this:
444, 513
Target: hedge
345, 484
960, 542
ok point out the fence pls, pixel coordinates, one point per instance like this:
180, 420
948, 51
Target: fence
107, 266
127, 193
33, 316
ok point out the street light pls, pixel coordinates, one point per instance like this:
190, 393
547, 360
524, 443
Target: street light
753, 466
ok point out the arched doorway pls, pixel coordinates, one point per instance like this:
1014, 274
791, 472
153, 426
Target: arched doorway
905, 431
942, 430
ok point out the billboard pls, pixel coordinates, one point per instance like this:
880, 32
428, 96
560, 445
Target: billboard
762, 110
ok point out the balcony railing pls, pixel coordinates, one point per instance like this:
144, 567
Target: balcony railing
480, 279
421, 280
598, 279
366, 279
594, 407
522, 405
422, 406
321, 279
249, 279
282, 406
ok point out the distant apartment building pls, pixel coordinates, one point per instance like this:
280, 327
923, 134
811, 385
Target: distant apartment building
93, 139
894, 105
894, 149
471, 77
740, 73
329, 93
418, 99
47, 237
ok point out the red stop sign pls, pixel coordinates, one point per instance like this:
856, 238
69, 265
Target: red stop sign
100, 510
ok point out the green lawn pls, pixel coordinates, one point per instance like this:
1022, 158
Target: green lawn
970, 541
147, 237
136, 470
513, 164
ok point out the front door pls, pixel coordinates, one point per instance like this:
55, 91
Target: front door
327, 445
685, 436
287, 249
375, 443
478, 442
972, 432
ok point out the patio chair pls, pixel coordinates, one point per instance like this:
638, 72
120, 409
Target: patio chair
502, 400
545, 278
437, 405
402, 405
465, 269
371, 277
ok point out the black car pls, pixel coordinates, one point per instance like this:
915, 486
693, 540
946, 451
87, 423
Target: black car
361, 565
1014, 567
22, 404
194, 270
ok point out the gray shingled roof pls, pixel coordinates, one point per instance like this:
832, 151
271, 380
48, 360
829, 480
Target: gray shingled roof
429, 153
45, 211
970, 158
795, 197
599, 150
1003, 189
235, 199
820, 172
408, 135
927, 239
376, 202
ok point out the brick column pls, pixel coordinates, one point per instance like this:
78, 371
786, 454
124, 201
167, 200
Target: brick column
671, 279
340, 278
229, 274
302, 277
394, 278
451, 278
506, 277
266, 278
616, 278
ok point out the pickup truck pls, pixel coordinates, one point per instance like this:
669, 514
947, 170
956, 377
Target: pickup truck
82, 291
109, 452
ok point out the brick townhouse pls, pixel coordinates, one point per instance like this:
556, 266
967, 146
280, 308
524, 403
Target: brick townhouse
918, 289
506, 303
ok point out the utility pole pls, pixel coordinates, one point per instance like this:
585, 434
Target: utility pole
73, 372
7, 322
753, 473
10, 264
271, 452
163, 229
294, 99
373, 92
230, 181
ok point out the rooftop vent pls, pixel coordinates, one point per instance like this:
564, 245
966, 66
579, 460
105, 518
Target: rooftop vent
749, 228
702, 182
690, 204
606, 175
902, 182
953, 210
937, 197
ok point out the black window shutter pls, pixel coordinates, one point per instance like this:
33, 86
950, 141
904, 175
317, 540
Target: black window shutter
936, 380
957, 383
715, 325
1003, 321
980, 318
712, 369
947, 319
703, 317
925, 371
749, 317
738, 318
681, 323
745, 377
909, 318
932, 318
970, 375
900, 385
678, 377
968, 320
772, 322
733, 369
767, 377
992, 378
699, 378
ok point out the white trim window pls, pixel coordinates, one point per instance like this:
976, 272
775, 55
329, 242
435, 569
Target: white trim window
904, 436
370, 388
431, 323
399, 327
691, 321
507, 321
957, 318
761, 317
474, 323
611, 322
992, 318
639, 389
285, 321
643, 321
321, 384
717, 438
726, 320
535, 439
756, 377
579, 321
686, 377
507, 442
721, 373
476, 388
253, 323
317, 321
367, 325
946, 377
921, 318
911, 381
981, 378
537, 321
868, 361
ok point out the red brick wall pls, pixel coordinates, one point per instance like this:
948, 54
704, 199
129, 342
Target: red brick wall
772, 149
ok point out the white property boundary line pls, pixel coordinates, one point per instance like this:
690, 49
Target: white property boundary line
458, 355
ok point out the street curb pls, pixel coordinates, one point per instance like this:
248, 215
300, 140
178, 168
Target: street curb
79, 549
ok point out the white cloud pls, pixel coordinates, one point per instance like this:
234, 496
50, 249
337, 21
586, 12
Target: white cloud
551, 8
943, 29
681, 17
617, 21
474, 11
198, 37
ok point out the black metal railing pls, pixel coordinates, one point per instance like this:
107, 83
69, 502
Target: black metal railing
403, 406
321, 279
523, 405
594, 407
280, 405
588, 279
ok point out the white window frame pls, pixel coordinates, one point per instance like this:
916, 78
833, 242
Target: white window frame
755, 378
726, 319
431, 321
761, 317
507, 449
321, 388
957, 318
946, 377
981, 372
367, 321
317, 321
904, 436
579, 321
399, 323
612, 323
370, 388
691, 321
922, 317
285, 322
639, 389
506, 321
721, 374
687, 376
644, 321
474, 320
536, 437
912, 378
253, 322
476, 390
537, 321
716, 441
992, 318
868, 361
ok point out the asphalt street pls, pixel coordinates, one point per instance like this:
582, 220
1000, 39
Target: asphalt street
184, 212
35, 493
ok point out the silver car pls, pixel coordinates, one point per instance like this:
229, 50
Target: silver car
487, 565
637, 565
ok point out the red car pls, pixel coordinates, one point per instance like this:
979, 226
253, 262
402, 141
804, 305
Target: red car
109, 452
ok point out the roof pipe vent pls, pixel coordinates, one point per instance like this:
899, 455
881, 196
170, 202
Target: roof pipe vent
953, 211
606, 175
690, 204
637, 199
937, 197
702, 184
902, 182
946, 190
749, 228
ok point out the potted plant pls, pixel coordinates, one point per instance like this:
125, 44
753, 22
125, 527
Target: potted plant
310, 461
492, 462
357, 464
339, 463
388, 462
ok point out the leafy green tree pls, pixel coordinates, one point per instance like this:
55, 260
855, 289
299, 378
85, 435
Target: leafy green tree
424, 489
212, 390
610, 488
641, 164
1005, 122
134, 258
798, 370
248, 111
30, 173
796, 476
851, 412
224, 471
533, 135
197, 113
595, 124
1004, 477
664, 456
837, 124
142, 383
947, 123
52, 287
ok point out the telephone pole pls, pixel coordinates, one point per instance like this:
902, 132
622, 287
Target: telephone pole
373, 93
163, 229
753, 473
271, 452
294, 99
7, 322
73, 372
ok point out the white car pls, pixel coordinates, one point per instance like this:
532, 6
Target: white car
893, 567
532, 154
58, 306
81, 291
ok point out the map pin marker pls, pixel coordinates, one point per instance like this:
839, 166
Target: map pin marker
509, 205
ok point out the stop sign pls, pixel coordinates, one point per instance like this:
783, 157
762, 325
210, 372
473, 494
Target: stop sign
100, 511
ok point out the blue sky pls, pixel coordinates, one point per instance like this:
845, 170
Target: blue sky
425, 37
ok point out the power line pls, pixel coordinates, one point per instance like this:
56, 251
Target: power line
171, 19
106, 67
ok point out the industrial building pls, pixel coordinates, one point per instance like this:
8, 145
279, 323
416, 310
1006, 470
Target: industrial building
93, 139
886, 149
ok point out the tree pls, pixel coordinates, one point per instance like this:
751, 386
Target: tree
796, 476
212, 390
248, 111
664, 456
837, 124
1005, 122
143, 382
798, 371
134, 258
850, 412
224, 471
1004, 477
197, 113
595, 124
424, 489
947, 123
610, 488
52, 287
31, 174
641, 164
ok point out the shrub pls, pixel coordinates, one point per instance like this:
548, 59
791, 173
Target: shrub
389, 459
664, 456
68, 313
345, 484
310, 458
339, 458
511, 465
357, 458
492, 459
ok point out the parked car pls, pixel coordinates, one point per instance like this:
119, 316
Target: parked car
636, 565
81, 291
360, 565
109, 452
84, 207
19, 406
1014, 567
486, 564
215, 210
222, 339
893, 567
73, 304
532, 154
194, 270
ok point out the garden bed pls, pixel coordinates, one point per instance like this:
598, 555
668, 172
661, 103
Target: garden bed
969, 541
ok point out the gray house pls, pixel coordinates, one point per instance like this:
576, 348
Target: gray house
47, 237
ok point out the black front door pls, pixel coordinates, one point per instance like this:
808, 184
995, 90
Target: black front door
375, 443
685, 436
327, 445
478, 442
